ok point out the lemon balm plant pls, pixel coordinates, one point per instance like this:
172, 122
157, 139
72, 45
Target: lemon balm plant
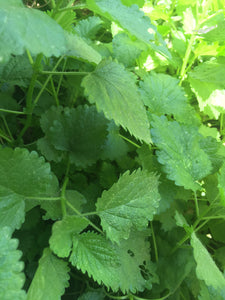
112, 174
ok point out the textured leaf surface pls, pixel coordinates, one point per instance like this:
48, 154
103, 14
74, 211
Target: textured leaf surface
206, 269
75, 131
12, 209
51, 278
180, 152
129, 203
88, 28
162, 94
62, 233
11, 276
23, 28
116, 267
114, 92
25, 173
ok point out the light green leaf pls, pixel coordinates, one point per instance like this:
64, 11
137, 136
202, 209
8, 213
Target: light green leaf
89, 27
180, 152
25, 173
217, 32
206, 269
51, 278
124, 16
75, 131
77, 47
12, 209
113, 90
162, 94
24, 28
11, 276
117, 267
63, 232
126, 50
129, 204
189, 22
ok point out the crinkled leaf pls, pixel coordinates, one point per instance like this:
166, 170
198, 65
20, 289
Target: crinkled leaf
24, 28
206, 269
180, 152
11, 276
51, 278
62, 234
25, 173
118, 267
125, 50
8, 102
12, 209
162, 94
75, 131
97, 294
89, 27
113, 90
129, 204
115, 11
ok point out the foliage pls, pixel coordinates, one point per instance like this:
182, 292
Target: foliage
112, 173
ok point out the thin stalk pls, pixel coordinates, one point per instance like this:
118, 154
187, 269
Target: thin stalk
43, 198
47, 81
54, 92
116, 297
63, 73
196, 204
2, 135
63, 197
162, 298
154, 243
129, 141
186, 58
61, 77
7, 128
75, 7
82, 216
12, 111
221, 124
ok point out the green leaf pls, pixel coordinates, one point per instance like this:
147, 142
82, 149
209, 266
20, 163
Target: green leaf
89, 27
75, 131
221, 183
12, 209
162, 94
11, 276
24, 28
63, 232
51, 278
140, 3
206, 269
114, 266
126, 50
129, 204
180, 152
113, 90
25, 173
93, 295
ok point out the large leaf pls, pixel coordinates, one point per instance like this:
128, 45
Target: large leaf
75, 131
180, 152
25, 173
23, 28
129, 204
11, 276
206, 269
115, 266
113, 90
62, 234
51, 278
162, 94
12, 209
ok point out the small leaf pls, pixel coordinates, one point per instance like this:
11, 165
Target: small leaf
11, 276
206, 269
113, 90
128, 204
51, 278
180, 152
62, 233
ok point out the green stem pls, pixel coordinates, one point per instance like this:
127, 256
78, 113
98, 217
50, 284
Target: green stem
116, 297
129, 141
75, 7
54, 92
196, 204
61, 77
63, 73
221, 124
12, 111
53, 4
47, 81
43, 198
162, 298
2, 135
7, 128
214, 217
63, 197
154, 243
82, 216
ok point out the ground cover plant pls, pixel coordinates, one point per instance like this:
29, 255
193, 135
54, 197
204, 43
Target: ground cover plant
112, 174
